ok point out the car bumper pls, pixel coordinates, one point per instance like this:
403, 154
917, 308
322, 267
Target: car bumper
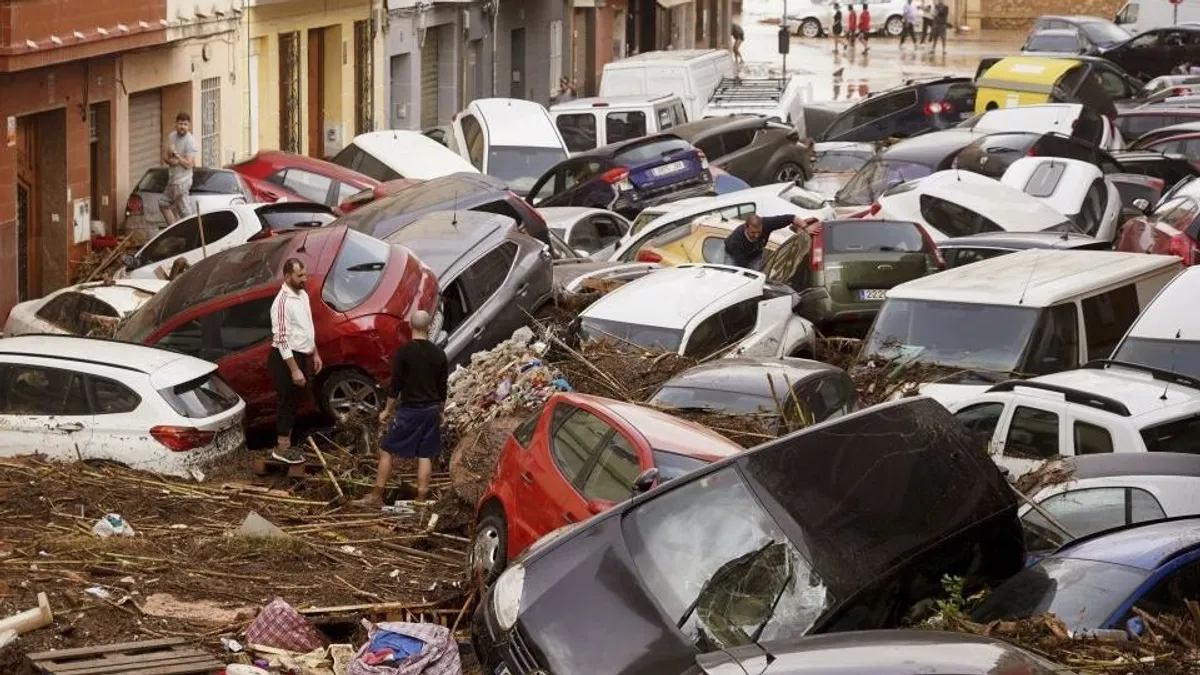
826, 312
499, 652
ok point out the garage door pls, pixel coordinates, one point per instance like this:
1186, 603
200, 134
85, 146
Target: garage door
429, 79
145, 134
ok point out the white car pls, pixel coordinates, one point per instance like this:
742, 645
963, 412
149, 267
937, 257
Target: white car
769, 200
1167, 333
590, 233
700, 310
815, 18
72, 398
76, 310
198, 237
954, 203
396, 154
211, 189
1068, 119
1072, 187
508, 138
1093, 410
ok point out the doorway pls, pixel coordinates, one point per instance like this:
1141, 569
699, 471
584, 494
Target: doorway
316, 92
26, 206
101, 164
517, 59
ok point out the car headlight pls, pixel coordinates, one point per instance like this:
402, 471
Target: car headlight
506, 596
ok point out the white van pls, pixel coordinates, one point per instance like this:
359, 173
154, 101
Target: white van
590, 123
1138, 16
391, 155
692, 74
508, 138
1167, 334
1034, 312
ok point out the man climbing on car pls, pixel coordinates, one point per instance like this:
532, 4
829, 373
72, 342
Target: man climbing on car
747, 243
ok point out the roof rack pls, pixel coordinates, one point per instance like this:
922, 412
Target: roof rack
1104, 403
1158, 373
736, 89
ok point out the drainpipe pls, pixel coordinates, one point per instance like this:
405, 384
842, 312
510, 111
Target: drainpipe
495, 39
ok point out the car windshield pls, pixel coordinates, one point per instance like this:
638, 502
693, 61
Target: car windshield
200, 398
1053, 42
672, 465
875, 177
652, 337
1104, 33
638, 153
868, 236
644, 218
1176, 356
839, 161
697, 398
1083, 593
356, 272
720, 567
205, 181
953, 334
521, 167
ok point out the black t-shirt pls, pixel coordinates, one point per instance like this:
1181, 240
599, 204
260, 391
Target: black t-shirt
419, 374
941, 16
744, 252
738, 33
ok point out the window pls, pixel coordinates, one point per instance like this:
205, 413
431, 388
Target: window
1032, 434
723, 329
713, 250
487, 274
624, 126
523, 434
670, 116
957, 257
313, 187
473, 136
616, 469
37, 390
287, 216
706, 338
202, 397
737, 140
577, 435
1107, 317
954, 220
1092, 210
356, 271
1170, 595
873, 236
653, 148
112, 397
671, 465
368, 165
1148, 40
1055, 341
75, 312
1113, 84
1178, 436
981, 419
454, 306
210, 121
578, 131
184, 237
1128, 14
224, 331
1044, 180
820, 398
1092, 440
585, 236
345, 192
1085, 512
711, 147
961, 98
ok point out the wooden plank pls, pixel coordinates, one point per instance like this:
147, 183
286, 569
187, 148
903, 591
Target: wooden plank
106, 649
116, 663
195, 669
202, 663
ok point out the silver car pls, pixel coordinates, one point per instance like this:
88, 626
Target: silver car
211, 189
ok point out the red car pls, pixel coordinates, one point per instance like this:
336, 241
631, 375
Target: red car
578, 457
362, 292
1172, 229
385, 189
273, 175
1187, 144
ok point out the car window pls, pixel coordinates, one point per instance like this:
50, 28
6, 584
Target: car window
720, 568
712, 147
578, 131
1088, 511
961, 98
356, 271
672, 465
653, 148
867, 236
1091, 439
1147, 40
1171, 594
738, 319
624, 126
112, 397
486, 275
1092, 209
346, 191
1177, 436
1045, 179
313, 187
1180, 215
1055, 341
609, 230
202, 397
957, 257
737, 140
369, 165
293, 216
615, 470
954, 220
820, 398
174, 241
888, 104
523, 434
70, 312
473, 136
37, 390
713, 250
585, 235
1107, 317
666, 117
1032, 434
789, 264
577, 435
981, 419
216, 182
217, 226
223, 331
706, 339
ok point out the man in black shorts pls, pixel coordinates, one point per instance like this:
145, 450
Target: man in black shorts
837, 27
739, 36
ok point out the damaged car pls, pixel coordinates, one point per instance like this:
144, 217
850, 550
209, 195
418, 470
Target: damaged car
843, 526
96, 307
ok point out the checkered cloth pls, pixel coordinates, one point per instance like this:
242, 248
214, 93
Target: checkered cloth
439, 656
279, 625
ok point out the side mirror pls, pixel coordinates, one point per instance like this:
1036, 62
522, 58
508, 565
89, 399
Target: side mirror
645, 480
1142, 205
131, 262
596, 506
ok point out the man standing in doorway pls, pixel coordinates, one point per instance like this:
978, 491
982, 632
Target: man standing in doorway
941, 19
746, 245
293, 359
179, 154
739, 36
907, 32
419, 382
851, 29
864, 26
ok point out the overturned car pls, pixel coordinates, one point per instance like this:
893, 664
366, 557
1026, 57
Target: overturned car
843, 526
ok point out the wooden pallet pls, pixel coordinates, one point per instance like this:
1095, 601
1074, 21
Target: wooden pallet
265, 465
170, 656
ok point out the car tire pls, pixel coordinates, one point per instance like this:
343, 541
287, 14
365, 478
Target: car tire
810, 28
787, 172
489, 545
894, 26
346, 391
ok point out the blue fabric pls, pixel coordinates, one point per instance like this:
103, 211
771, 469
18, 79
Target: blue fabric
415, 432
402, 646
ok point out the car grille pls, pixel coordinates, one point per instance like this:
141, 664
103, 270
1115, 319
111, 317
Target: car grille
519, 656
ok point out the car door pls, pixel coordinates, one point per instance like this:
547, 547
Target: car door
491, 317
43, 409
776, 331
117, 426
743, 158
1141, 56
983, 420
608, 479
1034, 434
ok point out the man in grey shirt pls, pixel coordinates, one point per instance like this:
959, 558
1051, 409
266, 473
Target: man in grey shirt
180, 156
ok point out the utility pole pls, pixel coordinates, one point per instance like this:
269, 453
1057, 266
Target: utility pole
785, 38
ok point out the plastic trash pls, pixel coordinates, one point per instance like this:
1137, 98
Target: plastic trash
112, 525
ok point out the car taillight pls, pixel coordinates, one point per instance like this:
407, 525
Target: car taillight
1182, 91
1183, 247
941, 262
938, 108
703, 159
648, 257
818, 252
613, 176
133, 205
1031, 152
181, 439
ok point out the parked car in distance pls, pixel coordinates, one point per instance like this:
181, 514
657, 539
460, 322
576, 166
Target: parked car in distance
959, 251
916, 107
755, 149
83, 308
491, 277
1138, 193
211, 189
715, 308
1095, 582
815, 19
594, 122
1172, 170
511, 139
664, 559
273, 175
1075, 188
785, 394
626, 177
1166, 334
993, 154
1070, 119
1172, 228
395, 154
1120, 88
200, 236
835, 163
781, 99
1187, 145
386, 189
72, 398
692, 74
1096, 33
1169, 86
1137, 16
905, 161
1154, 135
1136, 122
361, 290
588, 232
1157, 51
586, 454
1057, 41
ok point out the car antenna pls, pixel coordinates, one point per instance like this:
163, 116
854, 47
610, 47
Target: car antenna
1167, 386
1032, 270
303, 241
454, 213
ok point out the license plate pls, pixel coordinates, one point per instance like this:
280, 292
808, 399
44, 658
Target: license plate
502, 670
872, 294
231, 439
665, 169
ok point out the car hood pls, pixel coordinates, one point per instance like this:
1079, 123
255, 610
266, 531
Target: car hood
950, 394
570, 276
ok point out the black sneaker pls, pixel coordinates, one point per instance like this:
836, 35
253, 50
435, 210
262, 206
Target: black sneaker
289, 456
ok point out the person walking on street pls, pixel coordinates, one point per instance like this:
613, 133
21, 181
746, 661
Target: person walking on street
293, 359
926, 20
747, 244
851, 29
941, 18
179, 154
910, 19
864, 26
837, 27
739, 36
420, 372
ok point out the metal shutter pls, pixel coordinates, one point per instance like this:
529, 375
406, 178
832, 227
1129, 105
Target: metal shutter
429, 79
145, 134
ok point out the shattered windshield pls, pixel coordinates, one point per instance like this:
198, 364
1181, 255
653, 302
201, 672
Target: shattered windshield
876, 177
953, 334
721, 568
651, 337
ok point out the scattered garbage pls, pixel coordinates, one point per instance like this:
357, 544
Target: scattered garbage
204, 612
509, 379
231, 645
99, 592
279, 625
256, 526
112, 525
402, 648
244, 669
30, 619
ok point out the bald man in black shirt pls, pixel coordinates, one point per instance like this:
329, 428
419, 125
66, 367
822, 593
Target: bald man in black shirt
747, 243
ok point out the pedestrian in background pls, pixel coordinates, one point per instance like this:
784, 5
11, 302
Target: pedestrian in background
837, 27
910, 18
413, 413
293, 359
864, 27
179, 154
851, 28
926, 20
739, 36
941, 19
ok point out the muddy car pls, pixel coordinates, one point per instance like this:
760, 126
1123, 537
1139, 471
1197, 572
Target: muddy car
842, 526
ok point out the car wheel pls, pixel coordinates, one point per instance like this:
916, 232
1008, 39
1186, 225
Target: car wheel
788, 172
810, 28
489, 548
894, 26
347, 392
